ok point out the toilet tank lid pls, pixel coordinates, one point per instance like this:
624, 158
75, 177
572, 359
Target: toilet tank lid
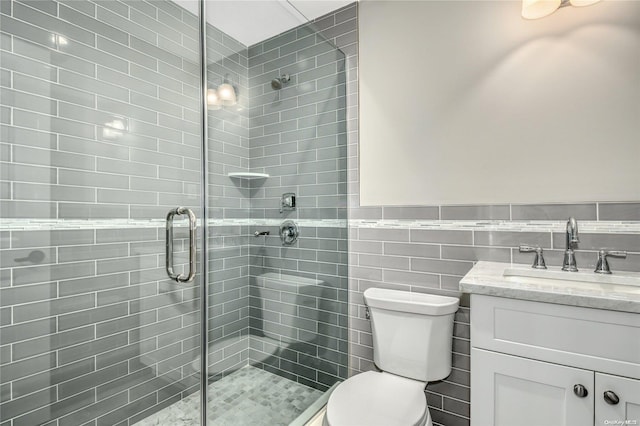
404, 301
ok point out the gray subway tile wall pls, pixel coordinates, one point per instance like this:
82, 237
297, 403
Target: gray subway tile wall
94, 171
107, 318
298, 136
434, 261
87, 110
121, 337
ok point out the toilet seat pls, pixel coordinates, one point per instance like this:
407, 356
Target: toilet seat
382, 399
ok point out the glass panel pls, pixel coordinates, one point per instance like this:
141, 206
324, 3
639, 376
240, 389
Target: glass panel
277, 313
101, 137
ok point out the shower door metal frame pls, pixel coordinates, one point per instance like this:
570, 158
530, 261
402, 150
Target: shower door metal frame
204, 200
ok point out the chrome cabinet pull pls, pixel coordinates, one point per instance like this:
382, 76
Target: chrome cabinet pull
192, 245
580, 391
611, 398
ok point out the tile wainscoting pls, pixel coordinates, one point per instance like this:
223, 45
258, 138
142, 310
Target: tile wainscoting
432, 256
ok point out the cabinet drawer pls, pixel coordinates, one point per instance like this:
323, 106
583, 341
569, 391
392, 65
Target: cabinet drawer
587, 338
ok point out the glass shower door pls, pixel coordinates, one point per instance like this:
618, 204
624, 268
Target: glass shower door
278, 310
100, 139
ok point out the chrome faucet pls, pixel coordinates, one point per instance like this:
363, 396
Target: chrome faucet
569, 262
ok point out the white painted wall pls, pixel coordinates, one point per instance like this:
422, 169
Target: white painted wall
465, 102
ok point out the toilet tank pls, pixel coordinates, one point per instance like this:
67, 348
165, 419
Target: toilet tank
412, 332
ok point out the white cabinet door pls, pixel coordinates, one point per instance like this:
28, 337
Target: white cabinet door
627, 391
514, 391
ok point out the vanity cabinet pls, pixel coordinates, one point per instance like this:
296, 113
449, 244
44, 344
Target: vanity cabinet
539, 364
517, 391
626, 390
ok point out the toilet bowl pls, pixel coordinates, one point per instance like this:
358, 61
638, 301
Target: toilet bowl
412, 337
378, 399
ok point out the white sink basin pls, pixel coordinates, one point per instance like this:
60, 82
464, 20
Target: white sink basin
623, 278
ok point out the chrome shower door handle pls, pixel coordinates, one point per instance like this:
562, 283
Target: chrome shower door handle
192, 245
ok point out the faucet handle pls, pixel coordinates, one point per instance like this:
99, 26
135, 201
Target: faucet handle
602, 266
538, 262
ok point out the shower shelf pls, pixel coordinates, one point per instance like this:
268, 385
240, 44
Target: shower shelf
248, 175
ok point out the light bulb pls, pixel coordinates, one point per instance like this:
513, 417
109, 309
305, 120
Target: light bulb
227, 94
213, 99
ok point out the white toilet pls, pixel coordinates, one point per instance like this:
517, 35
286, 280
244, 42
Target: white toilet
412, 336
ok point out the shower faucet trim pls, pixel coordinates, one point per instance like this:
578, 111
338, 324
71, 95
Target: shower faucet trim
278, 83
288, 201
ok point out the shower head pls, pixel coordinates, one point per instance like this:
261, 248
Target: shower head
278, 83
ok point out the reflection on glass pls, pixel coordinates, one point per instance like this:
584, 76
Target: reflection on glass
101, 137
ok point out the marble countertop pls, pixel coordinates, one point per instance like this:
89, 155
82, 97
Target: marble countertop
487, 278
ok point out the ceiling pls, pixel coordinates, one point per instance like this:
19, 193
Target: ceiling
252, 21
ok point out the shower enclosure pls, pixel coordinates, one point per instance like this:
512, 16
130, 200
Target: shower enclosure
144, 278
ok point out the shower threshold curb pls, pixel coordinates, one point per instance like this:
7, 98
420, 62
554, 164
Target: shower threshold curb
311, 411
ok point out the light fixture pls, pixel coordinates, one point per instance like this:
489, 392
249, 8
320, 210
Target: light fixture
227, 94
213, 99
224, 94
535, 9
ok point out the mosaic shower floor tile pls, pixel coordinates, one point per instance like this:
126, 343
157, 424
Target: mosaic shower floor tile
249, 396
